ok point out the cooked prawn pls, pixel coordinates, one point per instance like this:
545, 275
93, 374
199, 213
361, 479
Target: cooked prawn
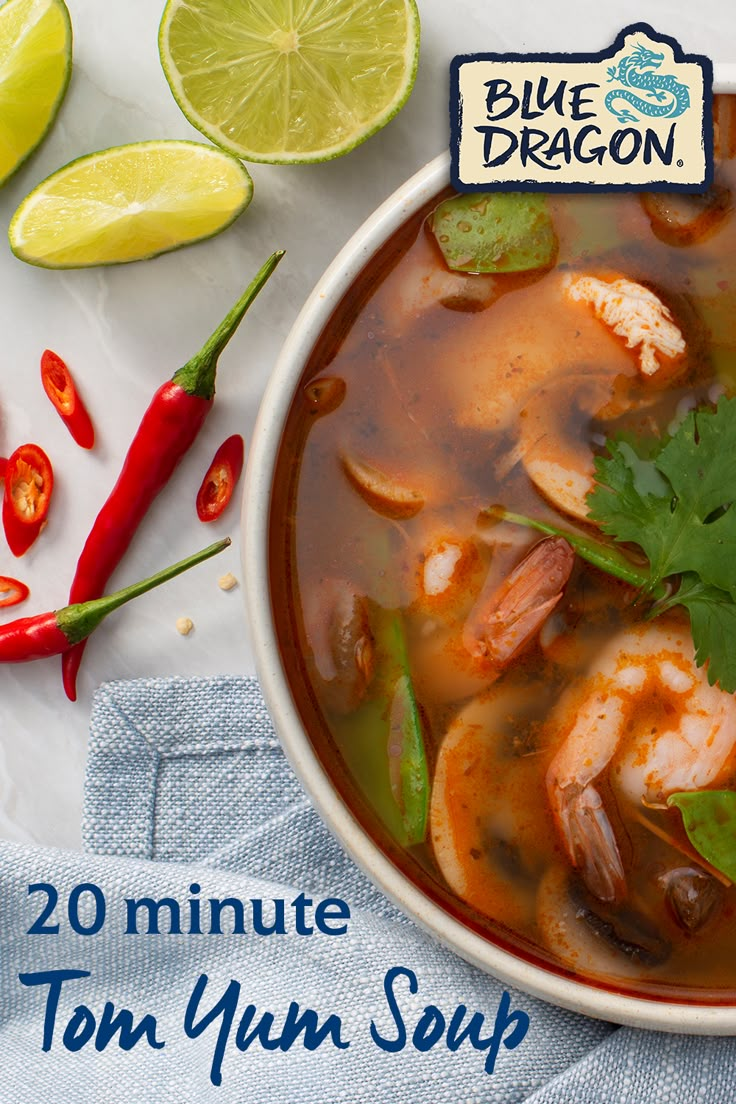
524, 341
503, 621
648, 710
636, 314
557, 459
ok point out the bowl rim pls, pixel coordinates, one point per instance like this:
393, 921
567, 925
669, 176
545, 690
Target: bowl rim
576, 995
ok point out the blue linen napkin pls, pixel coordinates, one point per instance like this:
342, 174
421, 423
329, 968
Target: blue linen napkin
187, 787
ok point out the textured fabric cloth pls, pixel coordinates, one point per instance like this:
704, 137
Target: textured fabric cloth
188, 797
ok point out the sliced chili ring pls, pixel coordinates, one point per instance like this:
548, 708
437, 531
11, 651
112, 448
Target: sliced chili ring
29, 481
222, 475
12, 591
61, 389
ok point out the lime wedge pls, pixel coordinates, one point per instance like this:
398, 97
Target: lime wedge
35, 66
289, 80
129, 203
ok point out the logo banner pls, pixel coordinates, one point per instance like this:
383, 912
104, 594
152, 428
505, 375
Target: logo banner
636, 116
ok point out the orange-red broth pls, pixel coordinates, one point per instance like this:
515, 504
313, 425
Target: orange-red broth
431, 397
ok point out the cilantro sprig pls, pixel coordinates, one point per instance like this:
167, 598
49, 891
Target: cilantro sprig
675, 501
676, 504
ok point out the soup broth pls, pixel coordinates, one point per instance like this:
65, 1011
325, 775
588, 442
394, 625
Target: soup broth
430, 397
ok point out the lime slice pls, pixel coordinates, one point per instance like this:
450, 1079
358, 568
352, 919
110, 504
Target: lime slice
35, 66
289, 80
129, 203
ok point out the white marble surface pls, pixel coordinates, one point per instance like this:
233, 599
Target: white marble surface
124, 330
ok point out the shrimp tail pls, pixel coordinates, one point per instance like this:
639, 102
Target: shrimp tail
590, 842
518, 608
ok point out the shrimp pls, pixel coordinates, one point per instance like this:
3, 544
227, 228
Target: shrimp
636, 314
647, 710
561, 466
458, 663
342, 644
525, 340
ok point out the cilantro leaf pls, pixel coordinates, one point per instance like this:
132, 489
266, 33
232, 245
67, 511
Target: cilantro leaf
632, 502
676, 505
713, 626
700, 464
675, 499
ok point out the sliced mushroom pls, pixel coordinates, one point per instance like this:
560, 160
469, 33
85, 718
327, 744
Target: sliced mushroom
427, 283
325, 394
590, 938
626, 931
339, 633
386, 494
681, 219
470, 293
724, 127
554, 452
693, 896
488, 808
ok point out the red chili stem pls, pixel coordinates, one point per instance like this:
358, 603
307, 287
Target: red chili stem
169, 426
197, 376
60, 387
54, 633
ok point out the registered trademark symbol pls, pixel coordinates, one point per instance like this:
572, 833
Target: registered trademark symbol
680, 163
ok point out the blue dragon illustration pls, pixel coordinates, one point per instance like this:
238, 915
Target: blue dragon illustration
667, 97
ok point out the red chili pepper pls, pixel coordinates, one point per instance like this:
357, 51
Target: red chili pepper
29, 481
59, 386
168, 428
222, 475
12, 591
49, 634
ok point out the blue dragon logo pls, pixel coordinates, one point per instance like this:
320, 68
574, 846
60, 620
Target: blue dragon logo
666, 96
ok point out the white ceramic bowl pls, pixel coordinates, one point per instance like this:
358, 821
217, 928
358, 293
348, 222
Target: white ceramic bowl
577, 995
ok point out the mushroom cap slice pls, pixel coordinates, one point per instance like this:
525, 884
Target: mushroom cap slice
387, 494
556, 456
490, 828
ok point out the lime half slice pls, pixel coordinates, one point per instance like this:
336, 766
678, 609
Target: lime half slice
129, 203
289, 80
35, 66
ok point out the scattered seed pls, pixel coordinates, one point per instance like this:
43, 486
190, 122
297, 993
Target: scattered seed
227, 582
184, 625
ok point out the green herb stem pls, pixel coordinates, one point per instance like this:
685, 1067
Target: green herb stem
597, 553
